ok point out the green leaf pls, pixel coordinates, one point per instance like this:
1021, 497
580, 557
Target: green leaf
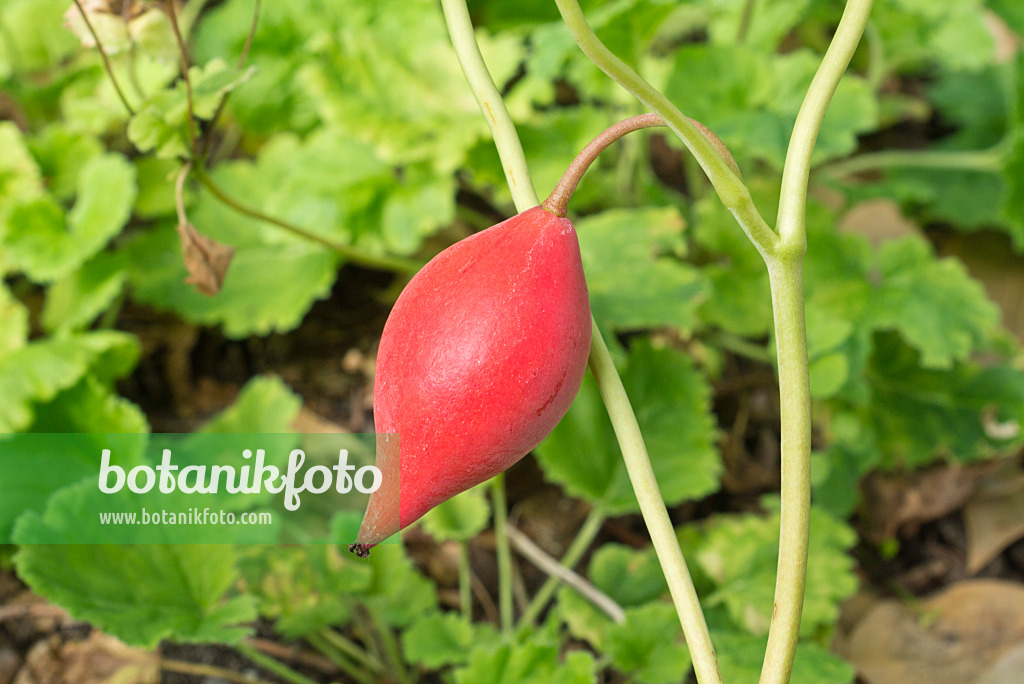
643, 645
268, 288
772, 21
397, 590
20, 176
40, 242
630, 576
1011, 12
90, 406
920, 414
36, 466
531, 660
740, 552
916, 32
934, 304
14, 332
37, 372
180, 595
62, 153
460, 518
741, 655
162, 124
34, 38
672, 402
440, 639
307, 588
76, 300
265, 405
413, 212
619, 244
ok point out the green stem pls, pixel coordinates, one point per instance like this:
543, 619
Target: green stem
510, 149
786, 281
785, 276
876, 71
207, 671
591, 526
208, 134
172, 16
975, 160
339, 659
652, 507
505, 605
105, 58
465, 583
396, 264
745, 19
271, 665
390, 644
796, 172
730, 188
352, 650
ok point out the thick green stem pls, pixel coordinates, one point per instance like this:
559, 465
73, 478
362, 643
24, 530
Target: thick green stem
730, 188
652, 507
510, 149
797, 170
504, 552
785, 276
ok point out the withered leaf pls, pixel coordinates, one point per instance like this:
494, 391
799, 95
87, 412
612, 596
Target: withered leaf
206, 259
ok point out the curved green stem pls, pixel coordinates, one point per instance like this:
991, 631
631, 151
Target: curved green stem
510, 149
353, 255
652, 507
727, 184
796, 172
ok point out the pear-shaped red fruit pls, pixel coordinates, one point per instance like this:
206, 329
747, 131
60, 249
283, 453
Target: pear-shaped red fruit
480, 358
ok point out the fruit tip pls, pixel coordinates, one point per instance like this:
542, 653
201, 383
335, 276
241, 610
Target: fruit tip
360, 550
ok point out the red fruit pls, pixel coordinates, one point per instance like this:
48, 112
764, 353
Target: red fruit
480, 358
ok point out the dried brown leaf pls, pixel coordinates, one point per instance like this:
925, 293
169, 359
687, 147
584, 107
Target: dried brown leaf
206, 259
900, 502
956, 637
994, 516
100, 659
